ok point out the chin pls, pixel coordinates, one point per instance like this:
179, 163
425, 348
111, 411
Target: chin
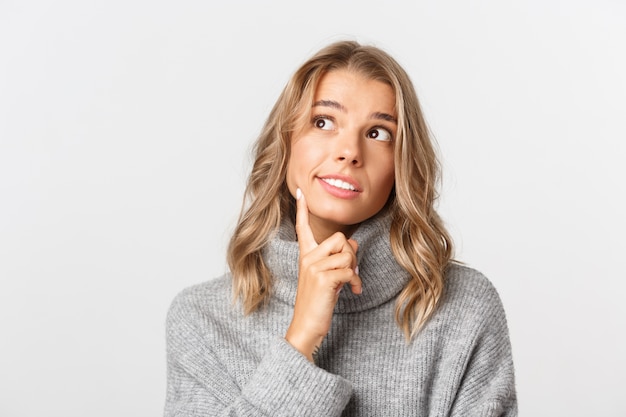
342, 215
341, 220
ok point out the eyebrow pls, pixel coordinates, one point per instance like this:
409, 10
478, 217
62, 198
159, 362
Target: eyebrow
329, 103
384, 116
336, 105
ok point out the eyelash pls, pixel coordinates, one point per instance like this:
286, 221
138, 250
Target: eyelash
321, 117
381, 128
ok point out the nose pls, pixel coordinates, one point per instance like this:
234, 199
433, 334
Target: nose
348, 148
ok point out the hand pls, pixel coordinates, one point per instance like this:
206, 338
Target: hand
323, 271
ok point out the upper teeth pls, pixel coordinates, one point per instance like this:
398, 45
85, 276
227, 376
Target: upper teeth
339, 184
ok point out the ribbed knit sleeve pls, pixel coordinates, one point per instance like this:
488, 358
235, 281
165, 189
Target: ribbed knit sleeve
284, 382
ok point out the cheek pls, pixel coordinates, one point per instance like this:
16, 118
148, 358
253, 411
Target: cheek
294, 168
289, 179
386, 175
303, 161
294, 175
386, 185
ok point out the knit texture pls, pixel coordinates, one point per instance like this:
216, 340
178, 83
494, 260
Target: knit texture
221, 363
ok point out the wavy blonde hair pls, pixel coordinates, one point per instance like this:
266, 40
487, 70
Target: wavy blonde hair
419, 240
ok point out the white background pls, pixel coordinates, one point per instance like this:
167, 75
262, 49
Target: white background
125, 130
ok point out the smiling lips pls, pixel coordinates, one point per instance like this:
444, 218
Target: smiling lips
342, 187
335, 182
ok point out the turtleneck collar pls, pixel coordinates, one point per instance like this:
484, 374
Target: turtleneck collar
383, 278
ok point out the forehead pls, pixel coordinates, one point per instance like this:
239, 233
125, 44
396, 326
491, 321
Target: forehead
349, 86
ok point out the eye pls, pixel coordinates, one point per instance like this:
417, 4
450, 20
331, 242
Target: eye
379, 134
323, 123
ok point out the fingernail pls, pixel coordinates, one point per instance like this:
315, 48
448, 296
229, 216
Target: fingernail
339, 290
356, 270
298, 193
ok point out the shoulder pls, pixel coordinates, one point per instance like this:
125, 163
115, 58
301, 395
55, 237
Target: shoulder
469, 281
469, 295
464, 282
195, 305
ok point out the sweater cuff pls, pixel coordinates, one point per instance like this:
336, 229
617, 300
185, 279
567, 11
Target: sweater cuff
286, 383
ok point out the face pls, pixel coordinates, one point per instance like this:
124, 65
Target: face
342, 160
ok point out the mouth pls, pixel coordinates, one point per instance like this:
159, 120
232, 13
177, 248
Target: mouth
335, 182
344, 186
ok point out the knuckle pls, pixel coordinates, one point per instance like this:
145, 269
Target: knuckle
305, 263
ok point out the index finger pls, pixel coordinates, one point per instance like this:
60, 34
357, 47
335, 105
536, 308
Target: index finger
306, 240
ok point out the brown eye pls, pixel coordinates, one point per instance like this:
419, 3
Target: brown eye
379, 134
323, 123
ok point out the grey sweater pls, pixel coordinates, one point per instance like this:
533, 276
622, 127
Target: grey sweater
221, 363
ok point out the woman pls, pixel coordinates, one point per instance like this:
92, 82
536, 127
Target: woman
342, 298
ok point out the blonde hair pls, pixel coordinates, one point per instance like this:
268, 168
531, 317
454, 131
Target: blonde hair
419, 240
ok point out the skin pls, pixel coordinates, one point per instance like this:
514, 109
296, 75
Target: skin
341, 171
